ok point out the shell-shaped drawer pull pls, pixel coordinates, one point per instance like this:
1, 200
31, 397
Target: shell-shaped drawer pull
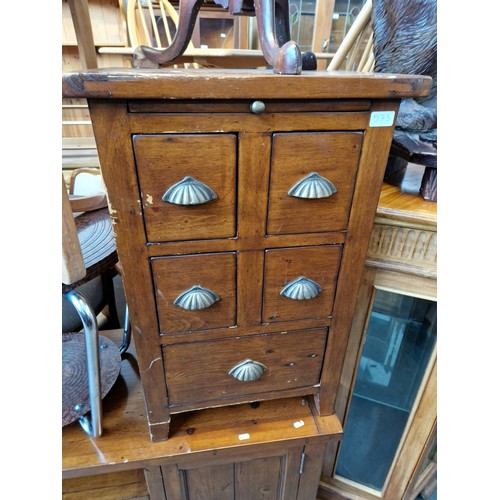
248, 370
312, 186
301, 288
189, 191
196, 298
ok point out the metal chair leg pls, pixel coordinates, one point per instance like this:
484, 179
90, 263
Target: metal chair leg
92, 426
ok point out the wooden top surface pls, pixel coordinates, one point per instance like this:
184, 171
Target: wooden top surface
395, 206
125, 443
207, 83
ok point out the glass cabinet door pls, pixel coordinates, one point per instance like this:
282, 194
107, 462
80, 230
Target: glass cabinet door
399, 344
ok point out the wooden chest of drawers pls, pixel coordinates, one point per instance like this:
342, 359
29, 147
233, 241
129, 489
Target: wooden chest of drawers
242, 204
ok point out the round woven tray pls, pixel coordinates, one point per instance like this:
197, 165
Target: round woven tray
75, 392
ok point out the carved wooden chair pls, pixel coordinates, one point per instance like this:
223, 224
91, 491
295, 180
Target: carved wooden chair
154, 24
280, 52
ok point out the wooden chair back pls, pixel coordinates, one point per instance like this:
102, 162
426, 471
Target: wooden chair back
87, 190
73, 267
355, 52
85, 181
151, 23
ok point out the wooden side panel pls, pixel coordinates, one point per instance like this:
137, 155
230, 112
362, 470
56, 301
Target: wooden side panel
112, 136
371, 170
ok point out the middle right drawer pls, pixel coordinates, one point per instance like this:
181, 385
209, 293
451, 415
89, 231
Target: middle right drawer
312, 181
300, 283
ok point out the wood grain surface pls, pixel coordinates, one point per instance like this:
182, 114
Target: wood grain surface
119, 83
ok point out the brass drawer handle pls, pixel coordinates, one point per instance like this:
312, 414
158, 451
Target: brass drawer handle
248, 370
189, 191
312, 186
301, 288
196, 298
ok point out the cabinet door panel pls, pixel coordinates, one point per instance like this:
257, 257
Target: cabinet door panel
259, 479
165, 160
257, 475
210, 482
334, 156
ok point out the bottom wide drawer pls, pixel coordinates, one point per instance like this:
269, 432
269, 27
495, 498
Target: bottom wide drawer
224, 368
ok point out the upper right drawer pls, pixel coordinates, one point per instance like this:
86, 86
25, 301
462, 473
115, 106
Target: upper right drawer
312, 181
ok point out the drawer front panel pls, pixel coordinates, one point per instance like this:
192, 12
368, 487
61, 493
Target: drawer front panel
199, 371
334, 157
292, 277
195, 292
188, 169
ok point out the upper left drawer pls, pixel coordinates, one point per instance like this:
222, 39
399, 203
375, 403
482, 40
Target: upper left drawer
188, 185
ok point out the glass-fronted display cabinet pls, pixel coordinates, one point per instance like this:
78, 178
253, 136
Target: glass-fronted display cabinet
399, 343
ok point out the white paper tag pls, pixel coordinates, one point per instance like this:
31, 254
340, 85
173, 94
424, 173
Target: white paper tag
242, 437
382, 118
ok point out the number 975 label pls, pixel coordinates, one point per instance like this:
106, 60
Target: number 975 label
382, 118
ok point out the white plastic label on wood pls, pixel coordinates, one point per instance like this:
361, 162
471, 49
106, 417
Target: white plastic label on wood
382, 118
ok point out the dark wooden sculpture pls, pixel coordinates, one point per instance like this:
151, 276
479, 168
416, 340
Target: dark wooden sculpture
280, 51
405, 41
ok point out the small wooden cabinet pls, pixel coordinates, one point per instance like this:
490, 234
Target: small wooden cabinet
242, 203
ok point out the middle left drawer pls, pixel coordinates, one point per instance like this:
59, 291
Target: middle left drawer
187, 185
195, 292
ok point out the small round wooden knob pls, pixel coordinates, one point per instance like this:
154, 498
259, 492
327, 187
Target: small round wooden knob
257, 107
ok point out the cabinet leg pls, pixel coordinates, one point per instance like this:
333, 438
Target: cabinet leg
323, 404
159, 432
